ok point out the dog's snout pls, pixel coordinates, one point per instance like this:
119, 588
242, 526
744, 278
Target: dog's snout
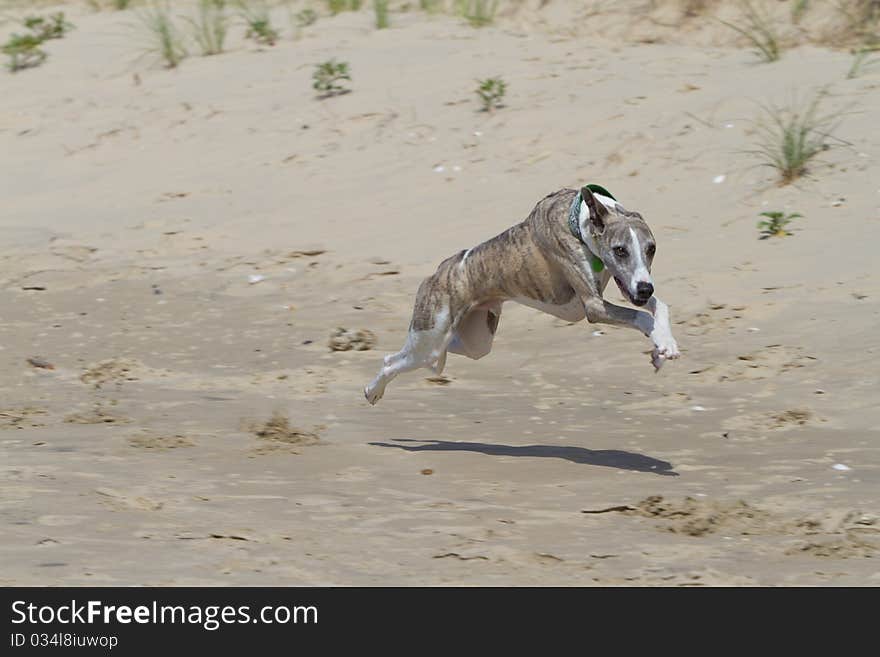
644, 290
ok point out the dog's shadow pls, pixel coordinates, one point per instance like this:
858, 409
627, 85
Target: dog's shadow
609, 458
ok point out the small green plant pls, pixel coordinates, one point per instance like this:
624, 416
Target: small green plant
792, 136
759, 31
306, 17
775, 223
259, 23
24, 52
119, 5
327, 78
491, 92
381, 9
210, 26
478, 13
339, 6
53, 27
164, 38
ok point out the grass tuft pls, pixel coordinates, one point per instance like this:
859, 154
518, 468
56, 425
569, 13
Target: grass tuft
165, 39
478, 13
380, 7
759, 31
259, 23
339, 6
210, 26
306, 17
792, 136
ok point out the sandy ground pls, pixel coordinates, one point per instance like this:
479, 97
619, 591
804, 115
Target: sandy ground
179, 246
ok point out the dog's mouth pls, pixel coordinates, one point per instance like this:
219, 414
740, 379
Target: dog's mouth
634, 300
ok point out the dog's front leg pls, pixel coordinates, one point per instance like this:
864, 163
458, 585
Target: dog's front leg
665, 347
654, 325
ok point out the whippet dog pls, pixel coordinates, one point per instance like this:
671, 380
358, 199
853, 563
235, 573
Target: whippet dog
559, 261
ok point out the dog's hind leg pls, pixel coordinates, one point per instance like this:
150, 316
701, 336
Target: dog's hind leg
423, 348
474, 334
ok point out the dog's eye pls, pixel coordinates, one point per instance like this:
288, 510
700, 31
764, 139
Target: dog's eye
620, 252
651, 250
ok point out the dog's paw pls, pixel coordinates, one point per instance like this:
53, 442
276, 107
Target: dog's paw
665, 348
373, 395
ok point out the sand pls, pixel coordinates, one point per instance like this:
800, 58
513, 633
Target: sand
179, 246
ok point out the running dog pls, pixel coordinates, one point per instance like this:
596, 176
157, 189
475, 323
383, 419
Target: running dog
559, 261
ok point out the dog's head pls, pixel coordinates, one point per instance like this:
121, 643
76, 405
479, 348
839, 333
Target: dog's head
622, 241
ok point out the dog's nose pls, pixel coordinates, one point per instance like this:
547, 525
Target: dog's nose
644, 290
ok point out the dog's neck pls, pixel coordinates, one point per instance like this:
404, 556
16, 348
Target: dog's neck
578, 206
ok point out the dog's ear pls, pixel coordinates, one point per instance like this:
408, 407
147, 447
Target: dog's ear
598, 211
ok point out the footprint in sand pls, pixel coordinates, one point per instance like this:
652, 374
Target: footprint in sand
159, 442
278, 435
121, 502
765, 363
772, 421
21, 418
848, 533
107, 371
97, 415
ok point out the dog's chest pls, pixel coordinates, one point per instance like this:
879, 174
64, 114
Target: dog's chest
571, 311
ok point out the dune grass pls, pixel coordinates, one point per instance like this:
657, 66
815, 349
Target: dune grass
478, 13
791, 136
339, 6
380, 7
759, 30
210, 26
164, 39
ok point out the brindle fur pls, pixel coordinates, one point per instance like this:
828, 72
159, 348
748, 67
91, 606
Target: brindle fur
538, 262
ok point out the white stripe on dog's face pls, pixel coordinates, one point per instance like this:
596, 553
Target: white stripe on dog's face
640, 273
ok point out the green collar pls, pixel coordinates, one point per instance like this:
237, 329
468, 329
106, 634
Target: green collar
574, 226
